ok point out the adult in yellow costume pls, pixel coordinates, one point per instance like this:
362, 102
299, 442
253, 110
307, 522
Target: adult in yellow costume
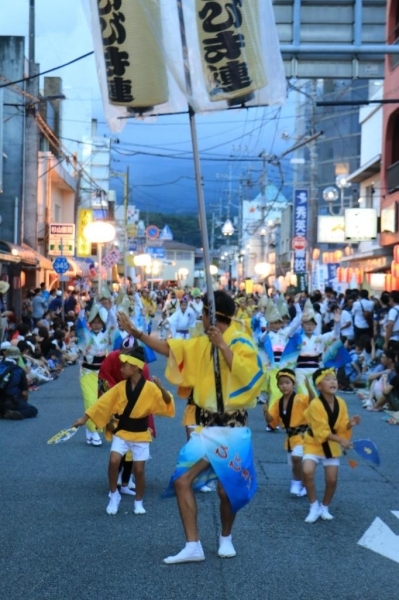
222, 448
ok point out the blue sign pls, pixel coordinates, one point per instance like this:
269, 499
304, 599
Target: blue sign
61, 265
156, 252
301, 204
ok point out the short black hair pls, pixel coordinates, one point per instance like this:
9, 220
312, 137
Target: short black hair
395, 296
364, 294
224, 305
389, 354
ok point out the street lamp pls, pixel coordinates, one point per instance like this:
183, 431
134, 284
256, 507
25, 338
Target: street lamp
263, 269
99, 232
228, 228
331, 193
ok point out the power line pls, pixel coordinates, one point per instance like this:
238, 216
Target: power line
4, 85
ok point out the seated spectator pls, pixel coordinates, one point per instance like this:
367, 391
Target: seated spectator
391, 389
375, 400
44, 339
14, 398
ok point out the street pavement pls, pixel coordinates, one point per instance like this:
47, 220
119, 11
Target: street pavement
58, 543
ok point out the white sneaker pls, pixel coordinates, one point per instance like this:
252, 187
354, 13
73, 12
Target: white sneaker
314, 513
192, 552
325, 513
295, 488
368, 404
89, 437
226, 548
205, 489
96, 440
113, 504
302, 492
126, 490
139, 508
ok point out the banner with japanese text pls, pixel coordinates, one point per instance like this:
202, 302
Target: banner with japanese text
301, 205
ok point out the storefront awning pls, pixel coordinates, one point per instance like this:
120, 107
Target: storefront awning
44, 262
368, 170
24, 255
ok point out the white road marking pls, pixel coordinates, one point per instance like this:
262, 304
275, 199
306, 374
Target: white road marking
381, 539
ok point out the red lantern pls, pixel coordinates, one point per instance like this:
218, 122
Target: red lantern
388, 282
368, 278
340, 274
396, 253
359, 276
349, 274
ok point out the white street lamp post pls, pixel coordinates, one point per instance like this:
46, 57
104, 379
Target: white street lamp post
99, 232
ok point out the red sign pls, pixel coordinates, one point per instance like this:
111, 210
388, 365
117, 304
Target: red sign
299, 243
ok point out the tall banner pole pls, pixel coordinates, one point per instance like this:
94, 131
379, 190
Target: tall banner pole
201, 210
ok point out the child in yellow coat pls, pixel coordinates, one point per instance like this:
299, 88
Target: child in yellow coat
289, 413
328, 433
130, 402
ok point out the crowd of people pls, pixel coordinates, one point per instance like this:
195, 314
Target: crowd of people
291, 354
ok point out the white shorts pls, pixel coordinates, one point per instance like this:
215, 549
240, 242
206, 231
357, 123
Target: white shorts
296, 451
140, 450
321, 460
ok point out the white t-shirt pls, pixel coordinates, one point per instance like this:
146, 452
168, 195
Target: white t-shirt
349, 331
358, 315
393, 315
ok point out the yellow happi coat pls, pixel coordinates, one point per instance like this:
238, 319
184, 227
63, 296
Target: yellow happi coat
114, 402
297, 419
317, 419
190, 365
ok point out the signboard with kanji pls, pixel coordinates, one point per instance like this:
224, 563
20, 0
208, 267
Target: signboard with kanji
156, 252
61, 239
111, 259
301, 202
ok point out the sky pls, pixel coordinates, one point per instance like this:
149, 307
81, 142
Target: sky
230, 141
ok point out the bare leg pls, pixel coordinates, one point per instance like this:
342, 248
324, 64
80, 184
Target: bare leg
139, 477
308, 471
113, 470
227, 517
186, 499
331, 476
296, 468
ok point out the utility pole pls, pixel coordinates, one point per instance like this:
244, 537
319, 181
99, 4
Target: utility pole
31, 146
313, 191
263, 206
125, 209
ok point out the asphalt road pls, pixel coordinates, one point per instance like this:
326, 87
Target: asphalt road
58, 543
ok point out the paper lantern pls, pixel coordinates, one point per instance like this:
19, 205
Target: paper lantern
395, 269
230, 48
341, 275
338, 254
349, 274
316, 254
132, 42
396, 253
359, 276
368, 278
326, 257
388, 282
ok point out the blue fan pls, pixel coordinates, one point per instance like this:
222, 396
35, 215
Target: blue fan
367, 450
